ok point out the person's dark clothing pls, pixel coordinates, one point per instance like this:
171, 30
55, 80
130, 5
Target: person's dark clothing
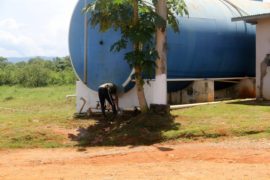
105, 92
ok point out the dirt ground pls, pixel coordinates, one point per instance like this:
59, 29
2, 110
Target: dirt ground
230, 159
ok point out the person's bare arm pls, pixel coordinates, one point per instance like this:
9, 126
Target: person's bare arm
116, 102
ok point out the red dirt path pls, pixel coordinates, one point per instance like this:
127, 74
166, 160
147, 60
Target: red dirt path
239, 159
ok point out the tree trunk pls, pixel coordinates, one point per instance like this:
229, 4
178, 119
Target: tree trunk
140, 91
139, 80
160, 84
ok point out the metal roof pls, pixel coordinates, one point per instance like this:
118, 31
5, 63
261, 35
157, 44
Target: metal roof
253, 19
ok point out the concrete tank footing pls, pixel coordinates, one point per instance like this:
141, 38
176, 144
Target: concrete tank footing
198, 91
204, 91
244, 88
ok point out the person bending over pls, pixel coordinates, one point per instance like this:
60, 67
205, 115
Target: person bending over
108, 91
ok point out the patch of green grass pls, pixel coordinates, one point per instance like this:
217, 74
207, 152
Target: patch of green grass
42, 118
235, 119
31, 117
32, 139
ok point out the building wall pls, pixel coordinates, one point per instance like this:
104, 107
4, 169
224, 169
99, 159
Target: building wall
262, 49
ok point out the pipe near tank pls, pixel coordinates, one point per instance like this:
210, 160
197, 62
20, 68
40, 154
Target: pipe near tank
85, 45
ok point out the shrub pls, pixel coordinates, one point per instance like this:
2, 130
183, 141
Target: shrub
37, 72
33, 76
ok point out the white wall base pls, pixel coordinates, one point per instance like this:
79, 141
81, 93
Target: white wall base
82, 91
128, 100
266, 87
160, 86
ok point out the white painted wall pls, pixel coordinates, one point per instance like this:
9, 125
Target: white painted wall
202, 91
262, 49
160, 86
266, 88
126, 101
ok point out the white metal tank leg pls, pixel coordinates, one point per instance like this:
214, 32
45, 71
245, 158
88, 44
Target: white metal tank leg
199, 91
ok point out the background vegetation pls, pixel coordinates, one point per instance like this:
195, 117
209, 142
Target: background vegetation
37, 72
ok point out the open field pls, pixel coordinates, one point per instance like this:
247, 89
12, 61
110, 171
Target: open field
37, 117
42, 117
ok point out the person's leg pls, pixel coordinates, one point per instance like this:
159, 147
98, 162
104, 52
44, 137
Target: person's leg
102, 94
114, 109
109, 99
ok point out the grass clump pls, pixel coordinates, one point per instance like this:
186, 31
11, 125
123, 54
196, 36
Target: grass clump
9, 98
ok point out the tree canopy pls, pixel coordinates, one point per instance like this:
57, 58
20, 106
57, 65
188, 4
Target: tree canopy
137, 21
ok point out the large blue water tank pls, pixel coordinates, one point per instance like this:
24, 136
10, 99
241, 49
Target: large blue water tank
209, 45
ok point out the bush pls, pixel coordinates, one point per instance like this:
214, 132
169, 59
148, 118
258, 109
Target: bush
37, 72
33, 76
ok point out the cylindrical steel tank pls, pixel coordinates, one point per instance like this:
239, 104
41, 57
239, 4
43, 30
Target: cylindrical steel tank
209, 45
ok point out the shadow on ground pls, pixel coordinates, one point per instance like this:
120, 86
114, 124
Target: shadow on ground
253, 103
127, 129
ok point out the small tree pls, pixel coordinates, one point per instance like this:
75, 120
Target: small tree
137, 20
3, 62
